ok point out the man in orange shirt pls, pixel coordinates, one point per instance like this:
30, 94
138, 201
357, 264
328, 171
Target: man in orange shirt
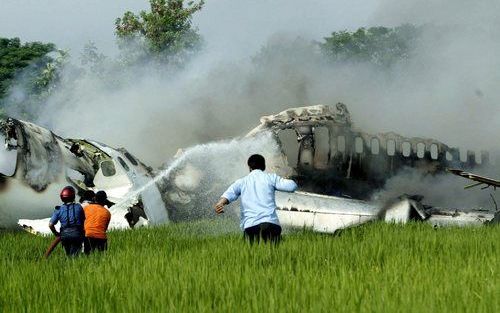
96, 223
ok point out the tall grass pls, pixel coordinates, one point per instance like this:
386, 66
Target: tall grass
195, 268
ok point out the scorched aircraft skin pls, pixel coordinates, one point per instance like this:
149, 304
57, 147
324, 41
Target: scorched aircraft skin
36, 164
338, 168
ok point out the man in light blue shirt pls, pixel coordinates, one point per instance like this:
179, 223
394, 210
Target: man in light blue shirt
258, 206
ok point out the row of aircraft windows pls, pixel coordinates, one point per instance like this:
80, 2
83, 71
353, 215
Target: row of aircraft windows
391, 148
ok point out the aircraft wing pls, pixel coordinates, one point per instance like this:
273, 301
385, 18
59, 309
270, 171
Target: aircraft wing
480, 180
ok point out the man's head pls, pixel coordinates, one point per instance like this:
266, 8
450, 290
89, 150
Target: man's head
68, 194
256, 162
88, 195
101, 197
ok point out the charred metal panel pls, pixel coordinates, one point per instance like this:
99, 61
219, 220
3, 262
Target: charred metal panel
357, 163
41, 159
307, 146
46, 163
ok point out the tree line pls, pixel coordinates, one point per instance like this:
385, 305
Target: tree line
165, 34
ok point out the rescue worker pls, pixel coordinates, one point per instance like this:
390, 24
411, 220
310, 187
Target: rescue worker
97, 219
87, 198
258, 206
71, 217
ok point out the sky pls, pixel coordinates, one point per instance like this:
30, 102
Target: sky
235, 27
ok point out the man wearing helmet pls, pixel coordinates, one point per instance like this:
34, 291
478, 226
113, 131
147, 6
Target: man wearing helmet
72, 217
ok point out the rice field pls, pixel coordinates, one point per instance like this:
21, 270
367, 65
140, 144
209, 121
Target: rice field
207, 267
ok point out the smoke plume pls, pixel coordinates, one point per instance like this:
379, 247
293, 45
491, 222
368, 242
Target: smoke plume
448, 90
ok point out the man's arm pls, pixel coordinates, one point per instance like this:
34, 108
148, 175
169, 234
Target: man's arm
219, 206
53, 221
82, 214
283, 184
108, 217
231, 194
54, 231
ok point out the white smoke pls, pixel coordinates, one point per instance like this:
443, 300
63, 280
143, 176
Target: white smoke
448, 90
196, 179
444, 190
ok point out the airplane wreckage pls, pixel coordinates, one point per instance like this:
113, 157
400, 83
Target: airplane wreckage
337, 166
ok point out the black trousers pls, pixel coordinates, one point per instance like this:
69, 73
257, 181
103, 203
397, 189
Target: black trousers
92, 244
265, 231
72, 246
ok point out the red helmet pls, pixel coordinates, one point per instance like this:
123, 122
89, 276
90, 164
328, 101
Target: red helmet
68, 194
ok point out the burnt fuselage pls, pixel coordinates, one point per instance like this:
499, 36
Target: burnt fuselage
330, 156
35, 164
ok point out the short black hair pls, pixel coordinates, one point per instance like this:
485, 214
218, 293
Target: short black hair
101, 197
88, 195
257, 162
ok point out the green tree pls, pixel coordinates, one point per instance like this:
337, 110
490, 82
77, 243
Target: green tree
48, 79
165, 32
92, 59
16, 57
381, 46
34, 85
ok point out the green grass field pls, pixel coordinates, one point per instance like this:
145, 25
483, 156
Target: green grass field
197, 268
